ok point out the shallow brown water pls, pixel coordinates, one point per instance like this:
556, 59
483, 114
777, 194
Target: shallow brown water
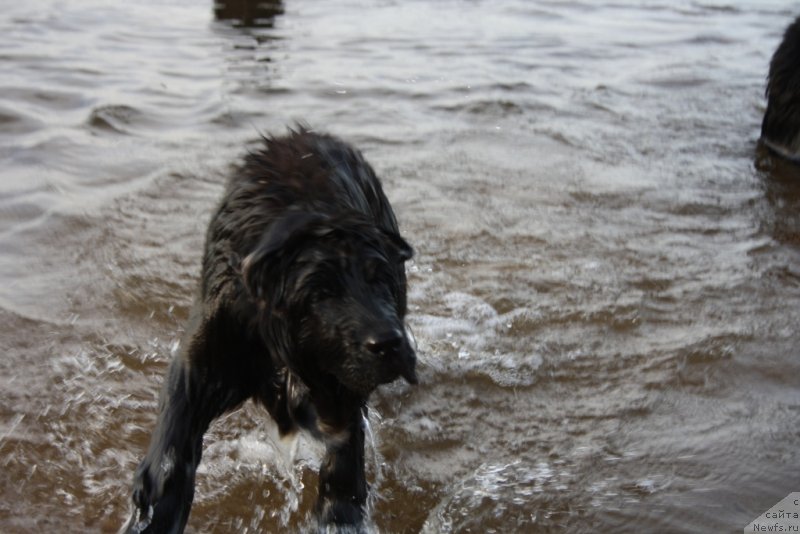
606, 289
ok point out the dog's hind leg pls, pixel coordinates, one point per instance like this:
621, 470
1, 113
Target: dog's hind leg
342, 480
163, 486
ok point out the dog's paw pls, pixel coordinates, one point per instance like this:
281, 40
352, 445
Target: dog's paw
340, 517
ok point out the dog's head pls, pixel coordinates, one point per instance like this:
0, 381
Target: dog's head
333, 292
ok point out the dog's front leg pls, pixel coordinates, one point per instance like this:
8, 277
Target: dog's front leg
163, 486
342, 480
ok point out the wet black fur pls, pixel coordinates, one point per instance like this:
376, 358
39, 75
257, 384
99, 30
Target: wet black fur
780, 129
301, 308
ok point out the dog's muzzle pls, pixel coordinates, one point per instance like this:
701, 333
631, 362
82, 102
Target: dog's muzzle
393, 346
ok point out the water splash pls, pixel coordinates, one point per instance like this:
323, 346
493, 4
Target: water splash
484, 500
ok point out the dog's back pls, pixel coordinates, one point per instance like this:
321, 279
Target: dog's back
303, 171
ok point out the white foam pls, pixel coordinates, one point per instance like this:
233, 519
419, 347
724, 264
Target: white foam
493, 490
466, 333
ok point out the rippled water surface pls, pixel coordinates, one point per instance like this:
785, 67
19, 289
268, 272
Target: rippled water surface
607, 282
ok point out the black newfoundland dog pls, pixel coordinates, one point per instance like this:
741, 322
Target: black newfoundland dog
780, 130
301, 307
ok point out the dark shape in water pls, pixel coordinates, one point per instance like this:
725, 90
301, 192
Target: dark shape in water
780, 130
249, 13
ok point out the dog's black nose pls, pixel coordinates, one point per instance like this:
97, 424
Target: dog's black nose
395, 352
385, 342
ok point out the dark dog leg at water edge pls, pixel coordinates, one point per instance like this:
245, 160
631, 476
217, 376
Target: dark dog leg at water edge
164, 482
342, 479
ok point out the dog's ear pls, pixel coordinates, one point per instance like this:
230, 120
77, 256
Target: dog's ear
400, 247
276, 242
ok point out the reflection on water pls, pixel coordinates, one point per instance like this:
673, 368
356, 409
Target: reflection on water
606, 291
781, 186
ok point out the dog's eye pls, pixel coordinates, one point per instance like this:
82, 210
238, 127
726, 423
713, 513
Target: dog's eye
319, 285
324, 293
375, 270
371, 270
